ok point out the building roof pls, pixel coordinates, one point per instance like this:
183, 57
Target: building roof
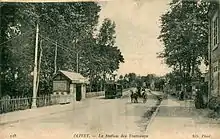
74, 77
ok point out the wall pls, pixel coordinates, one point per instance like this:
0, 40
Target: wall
94, 94
215, 54
73, 92
61, 85
83, 90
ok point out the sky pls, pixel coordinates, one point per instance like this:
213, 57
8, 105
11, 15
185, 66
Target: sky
137, 29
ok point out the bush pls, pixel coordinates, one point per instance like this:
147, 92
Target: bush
214, 104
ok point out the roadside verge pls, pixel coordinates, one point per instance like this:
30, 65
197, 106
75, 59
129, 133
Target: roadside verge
154, 110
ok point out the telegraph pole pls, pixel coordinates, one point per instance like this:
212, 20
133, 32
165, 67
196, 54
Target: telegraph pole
77, 55
0, 54
34, 104
77, 62
55, 60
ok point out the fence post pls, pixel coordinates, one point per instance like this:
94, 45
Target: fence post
19, 102
1, 104
45, 100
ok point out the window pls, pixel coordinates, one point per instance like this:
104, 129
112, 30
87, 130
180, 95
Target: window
215, 66
215, 31
215, 69
60, 86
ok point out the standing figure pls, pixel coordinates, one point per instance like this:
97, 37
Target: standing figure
194, 91
132, 96
181, 96
138, 91
136, 97
144, 96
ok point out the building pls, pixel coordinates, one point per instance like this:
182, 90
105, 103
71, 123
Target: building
214, 49
70, 84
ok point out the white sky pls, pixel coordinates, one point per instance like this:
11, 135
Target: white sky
137, 29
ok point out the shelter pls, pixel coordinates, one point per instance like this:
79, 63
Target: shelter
70, 83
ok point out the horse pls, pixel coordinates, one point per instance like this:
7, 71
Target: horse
144, 96
134, 97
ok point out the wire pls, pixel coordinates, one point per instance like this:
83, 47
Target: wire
58, 45
16, 37
16, 52
29, 24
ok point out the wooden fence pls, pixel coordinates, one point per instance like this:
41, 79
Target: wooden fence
8, 104
22, 103
95, 94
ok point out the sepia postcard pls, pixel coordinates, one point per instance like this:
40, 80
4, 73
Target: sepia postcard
110, 69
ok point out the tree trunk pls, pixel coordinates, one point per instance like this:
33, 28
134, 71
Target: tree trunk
193, 66
104, 80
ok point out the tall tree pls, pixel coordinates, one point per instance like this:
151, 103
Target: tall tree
70, 26
184, 32
63, 22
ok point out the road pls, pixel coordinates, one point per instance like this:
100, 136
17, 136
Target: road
96, 116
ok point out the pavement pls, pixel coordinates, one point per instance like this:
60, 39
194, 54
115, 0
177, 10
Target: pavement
95, 116
180, 120
16, 116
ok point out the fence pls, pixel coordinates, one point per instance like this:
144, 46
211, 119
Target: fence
22, 103
95, 94
8, 104
100, 93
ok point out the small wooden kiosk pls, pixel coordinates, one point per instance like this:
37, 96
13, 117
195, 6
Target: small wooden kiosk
70, 86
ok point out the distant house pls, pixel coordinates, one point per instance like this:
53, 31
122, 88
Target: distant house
70, 83
214, 49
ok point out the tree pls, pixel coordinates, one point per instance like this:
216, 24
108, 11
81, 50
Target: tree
69, 26
108, 56
61, 21
184, 32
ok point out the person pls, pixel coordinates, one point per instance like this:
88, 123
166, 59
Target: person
139, 91
194, 93
132, 95
181, 96
144, 95
135, 97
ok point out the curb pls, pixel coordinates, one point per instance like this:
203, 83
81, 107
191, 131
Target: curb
153, 116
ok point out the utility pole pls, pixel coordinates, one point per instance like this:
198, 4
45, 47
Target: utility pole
55, 60
0, 53
77, 62
77, 55
34, 104
39, 65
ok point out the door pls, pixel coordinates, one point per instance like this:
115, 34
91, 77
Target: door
215, 79
78, 92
